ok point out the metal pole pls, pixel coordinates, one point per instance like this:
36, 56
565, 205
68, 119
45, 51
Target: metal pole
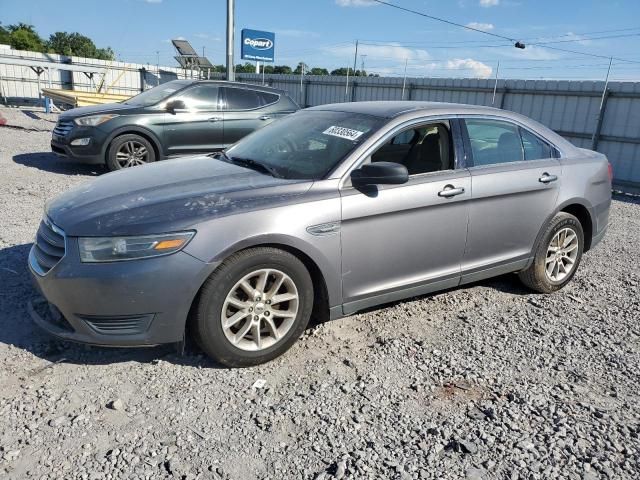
301, 78
603, 103
355, 60
495, 85
230, 31
404, 80
263, 75
158, 67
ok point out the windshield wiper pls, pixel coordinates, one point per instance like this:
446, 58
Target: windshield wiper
254, 164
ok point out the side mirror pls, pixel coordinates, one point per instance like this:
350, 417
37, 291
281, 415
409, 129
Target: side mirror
174, 105
380, 173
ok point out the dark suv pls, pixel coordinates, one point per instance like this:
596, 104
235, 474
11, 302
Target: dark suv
178, 117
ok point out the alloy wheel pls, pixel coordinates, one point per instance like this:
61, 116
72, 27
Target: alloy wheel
132, 153
260, 309
562, 254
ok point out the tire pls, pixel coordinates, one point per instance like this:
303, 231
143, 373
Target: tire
551, 270
259, 333
124, 152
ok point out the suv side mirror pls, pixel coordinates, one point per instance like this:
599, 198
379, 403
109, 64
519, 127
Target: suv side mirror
380, 173
174, 105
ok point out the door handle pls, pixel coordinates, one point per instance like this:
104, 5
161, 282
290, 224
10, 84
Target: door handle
546, 178
450, 191
265, 117
215, 119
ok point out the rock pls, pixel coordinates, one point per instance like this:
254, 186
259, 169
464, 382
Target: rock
116, 404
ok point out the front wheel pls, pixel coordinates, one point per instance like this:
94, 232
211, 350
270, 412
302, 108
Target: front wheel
128, 151
557, 256
253, 307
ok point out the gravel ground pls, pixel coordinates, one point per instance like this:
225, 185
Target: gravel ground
486, 381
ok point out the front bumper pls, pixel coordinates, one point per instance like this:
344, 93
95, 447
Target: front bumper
91, 154
133, 303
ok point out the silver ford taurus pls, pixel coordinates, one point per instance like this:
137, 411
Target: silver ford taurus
326, 212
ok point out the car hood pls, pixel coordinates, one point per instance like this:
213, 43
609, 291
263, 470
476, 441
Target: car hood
167, 196
97, 109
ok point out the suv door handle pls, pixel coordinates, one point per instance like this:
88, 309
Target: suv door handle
215, 119
265, 117
546, 178
450, 191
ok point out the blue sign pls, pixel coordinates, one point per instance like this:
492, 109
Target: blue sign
257, 45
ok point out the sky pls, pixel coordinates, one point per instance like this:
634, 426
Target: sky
322, 33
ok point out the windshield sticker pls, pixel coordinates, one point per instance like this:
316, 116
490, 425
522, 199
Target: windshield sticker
343, 132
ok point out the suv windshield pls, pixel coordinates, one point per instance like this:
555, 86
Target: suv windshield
306, 144
157, 94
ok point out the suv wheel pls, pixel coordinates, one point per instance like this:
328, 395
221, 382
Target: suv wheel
253, 307
129, 151
557, 256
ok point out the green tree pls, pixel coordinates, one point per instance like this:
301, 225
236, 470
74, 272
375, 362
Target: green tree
24, 37
5, 36
319, 71
77, 45
302, 67
282, 69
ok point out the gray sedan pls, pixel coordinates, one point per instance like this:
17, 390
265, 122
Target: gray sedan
326, 212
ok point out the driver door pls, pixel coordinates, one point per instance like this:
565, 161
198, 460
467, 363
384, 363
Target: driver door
199, 126
409, 239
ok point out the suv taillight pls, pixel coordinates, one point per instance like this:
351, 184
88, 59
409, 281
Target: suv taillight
610, 171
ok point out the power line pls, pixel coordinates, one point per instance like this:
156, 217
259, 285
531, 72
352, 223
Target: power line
443, 20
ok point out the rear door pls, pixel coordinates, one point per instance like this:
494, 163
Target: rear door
199, 126
515, 177
245, 110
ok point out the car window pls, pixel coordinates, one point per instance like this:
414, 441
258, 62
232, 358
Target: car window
307, 144
201, 97
534, 148
241, 99
494, 142
267, 98
405, 138
422, 149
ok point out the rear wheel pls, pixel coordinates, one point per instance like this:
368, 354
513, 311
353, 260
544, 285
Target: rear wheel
128, 151
557, 256
253, 307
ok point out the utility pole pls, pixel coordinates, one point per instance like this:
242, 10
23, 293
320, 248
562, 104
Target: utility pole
603, 102
157, 67
404, 81
355, 61
495, 85
230, 31
362, 57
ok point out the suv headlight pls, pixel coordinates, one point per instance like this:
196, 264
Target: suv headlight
117, 249
93, 120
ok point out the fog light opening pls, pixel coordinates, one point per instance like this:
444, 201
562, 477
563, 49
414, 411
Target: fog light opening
81, 142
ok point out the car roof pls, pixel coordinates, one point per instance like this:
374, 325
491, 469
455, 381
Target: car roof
394, 108
259, 88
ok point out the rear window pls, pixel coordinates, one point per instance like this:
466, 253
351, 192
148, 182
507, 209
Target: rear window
243, 99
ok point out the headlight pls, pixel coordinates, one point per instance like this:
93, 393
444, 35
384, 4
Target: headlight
116, 249
93, 120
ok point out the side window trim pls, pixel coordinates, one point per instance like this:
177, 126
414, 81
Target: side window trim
345, 180
224, 104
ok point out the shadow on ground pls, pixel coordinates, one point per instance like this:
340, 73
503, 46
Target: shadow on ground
49, 162
36, 115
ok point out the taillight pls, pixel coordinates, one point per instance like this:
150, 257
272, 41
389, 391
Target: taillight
610, 171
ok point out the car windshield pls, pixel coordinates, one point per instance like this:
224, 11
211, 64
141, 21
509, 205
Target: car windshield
307, 144
157, 94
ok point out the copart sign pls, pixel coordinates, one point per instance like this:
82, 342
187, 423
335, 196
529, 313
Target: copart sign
258, 45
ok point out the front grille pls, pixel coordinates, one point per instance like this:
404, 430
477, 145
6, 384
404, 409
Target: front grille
62, 128
118, 324
49, 246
